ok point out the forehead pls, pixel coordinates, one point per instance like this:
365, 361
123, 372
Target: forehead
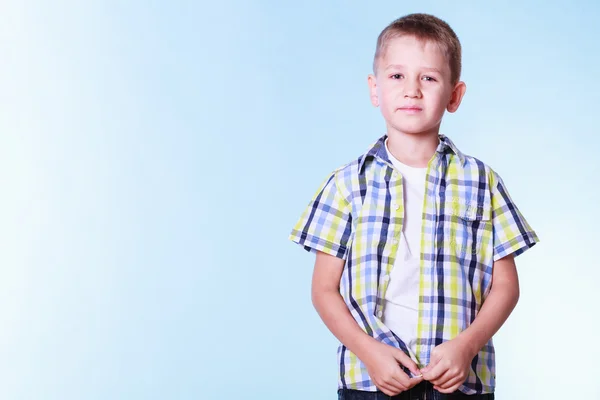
410, 51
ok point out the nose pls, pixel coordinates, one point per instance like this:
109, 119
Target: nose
412, 89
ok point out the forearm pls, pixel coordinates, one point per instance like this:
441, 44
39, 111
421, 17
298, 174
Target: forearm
335, 314
495, 310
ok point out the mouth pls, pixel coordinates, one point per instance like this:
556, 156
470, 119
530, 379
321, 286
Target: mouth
411, 109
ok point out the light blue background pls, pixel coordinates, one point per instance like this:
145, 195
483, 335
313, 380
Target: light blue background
155, 155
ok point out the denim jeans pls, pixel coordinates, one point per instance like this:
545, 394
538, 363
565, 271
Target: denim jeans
423, 391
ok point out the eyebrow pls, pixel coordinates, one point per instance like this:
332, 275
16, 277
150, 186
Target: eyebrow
394, 66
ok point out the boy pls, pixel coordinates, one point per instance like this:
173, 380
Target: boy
410, 236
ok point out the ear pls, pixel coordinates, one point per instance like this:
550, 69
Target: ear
457, 95
372, 80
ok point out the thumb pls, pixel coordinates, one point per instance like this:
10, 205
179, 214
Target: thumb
405, 360
432, 363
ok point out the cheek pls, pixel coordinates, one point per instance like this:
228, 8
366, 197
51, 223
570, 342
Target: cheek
387, 96
438, 100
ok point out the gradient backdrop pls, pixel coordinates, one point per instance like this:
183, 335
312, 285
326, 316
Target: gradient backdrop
155, 155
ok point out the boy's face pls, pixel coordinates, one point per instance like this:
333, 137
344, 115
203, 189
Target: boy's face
413, 86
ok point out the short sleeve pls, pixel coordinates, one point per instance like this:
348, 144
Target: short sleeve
512, 233
326, 223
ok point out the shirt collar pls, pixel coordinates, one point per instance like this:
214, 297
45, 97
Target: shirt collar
378, 150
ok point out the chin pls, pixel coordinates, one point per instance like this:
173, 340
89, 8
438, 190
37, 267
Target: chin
412, 129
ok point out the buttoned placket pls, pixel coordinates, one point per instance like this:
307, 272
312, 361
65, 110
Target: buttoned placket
394, 232
432, 195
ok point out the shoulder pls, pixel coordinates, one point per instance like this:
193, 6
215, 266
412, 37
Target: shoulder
350, 176
348, 170
470, 168
479, 170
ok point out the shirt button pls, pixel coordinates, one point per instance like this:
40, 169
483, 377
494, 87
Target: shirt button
395, 240
379, 313
386, 278
396, 205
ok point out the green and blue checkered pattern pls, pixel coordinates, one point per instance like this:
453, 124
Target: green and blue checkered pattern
469, 221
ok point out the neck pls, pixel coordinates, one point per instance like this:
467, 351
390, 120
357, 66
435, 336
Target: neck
415, 150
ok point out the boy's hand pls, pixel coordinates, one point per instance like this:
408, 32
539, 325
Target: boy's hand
382, 362
449, 365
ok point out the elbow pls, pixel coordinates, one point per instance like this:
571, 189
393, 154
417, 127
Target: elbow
508, 291
316, 297
511, 293
321, 296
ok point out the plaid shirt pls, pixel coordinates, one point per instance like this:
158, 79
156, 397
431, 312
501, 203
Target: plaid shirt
469, 221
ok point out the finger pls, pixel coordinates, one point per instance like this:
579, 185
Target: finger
416, 378
402, 382
405, 380
434, 373
393, 381
392, 384
401, 377
442, 380
432, 363
406, 361
390, 390
397, 384
385, 390
395, 388
451, 386
414, 382
451, 382
449, 390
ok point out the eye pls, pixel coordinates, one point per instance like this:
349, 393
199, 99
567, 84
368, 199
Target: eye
396, 76
429, 79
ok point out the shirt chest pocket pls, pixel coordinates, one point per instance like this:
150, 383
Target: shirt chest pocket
468, 227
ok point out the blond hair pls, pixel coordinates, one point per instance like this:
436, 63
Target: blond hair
424, 27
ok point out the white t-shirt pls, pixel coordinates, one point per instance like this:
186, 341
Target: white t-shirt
400, 311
